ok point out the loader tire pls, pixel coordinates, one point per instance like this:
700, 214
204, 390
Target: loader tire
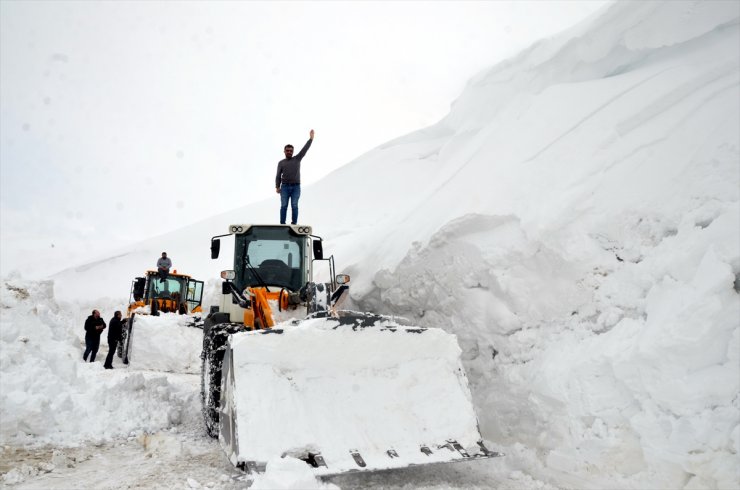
124, 337
215, 335
128, 334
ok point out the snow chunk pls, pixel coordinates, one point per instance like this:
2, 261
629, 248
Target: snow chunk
289, 473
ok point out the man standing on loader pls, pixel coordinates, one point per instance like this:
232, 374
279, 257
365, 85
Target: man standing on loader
288, 180
163, 266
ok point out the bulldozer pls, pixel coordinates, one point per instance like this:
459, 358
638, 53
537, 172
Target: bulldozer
287, 372
150, 296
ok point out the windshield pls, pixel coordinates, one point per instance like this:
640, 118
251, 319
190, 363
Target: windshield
271, 256
170, 288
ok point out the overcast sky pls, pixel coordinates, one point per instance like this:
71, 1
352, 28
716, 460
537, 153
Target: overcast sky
122, 120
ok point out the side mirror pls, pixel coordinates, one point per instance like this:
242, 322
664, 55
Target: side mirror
342, 278
318, 250
215, 248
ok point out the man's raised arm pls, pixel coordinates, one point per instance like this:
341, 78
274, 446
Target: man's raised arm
305, 148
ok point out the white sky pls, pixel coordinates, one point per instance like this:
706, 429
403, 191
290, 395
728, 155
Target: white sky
123, 120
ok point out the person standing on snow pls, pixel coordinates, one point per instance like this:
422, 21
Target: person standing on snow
288, 180
163, 266
115, 335
94, 326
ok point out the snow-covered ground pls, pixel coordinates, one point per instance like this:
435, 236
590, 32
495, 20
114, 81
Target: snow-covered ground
574, 220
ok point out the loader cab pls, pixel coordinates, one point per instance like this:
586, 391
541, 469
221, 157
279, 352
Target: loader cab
169, 295
272, 255
275, 263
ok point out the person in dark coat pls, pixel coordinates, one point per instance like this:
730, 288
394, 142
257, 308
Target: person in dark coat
94, 326
115, 335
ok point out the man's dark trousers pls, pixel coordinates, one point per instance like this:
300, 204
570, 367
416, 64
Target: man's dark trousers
92, 344
112, 345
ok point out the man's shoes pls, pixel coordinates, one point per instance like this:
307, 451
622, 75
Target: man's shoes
108, 367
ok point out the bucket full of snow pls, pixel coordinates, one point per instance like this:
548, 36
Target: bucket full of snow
168, 342
347, 395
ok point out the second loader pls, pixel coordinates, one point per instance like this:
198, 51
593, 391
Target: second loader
287, 372
158, 310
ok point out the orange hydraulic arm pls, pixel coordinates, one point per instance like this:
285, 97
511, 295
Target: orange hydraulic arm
259, 315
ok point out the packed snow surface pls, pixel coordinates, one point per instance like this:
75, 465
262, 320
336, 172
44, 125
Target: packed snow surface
574, 220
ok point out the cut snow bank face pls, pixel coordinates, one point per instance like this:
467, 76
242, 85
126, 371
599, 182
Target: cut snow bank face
628, 366
49, 395
605, 127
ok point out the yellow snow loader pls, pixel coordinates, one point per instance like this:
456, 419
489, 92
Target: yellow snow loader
177, 293
151, 296
286, 372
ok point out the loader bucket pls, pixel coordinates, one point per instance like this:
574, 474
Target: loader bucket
168, 342
347, 395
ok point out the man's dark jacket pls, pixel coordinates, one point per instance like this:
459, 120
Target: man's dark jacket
90, 324
289, 169
115, 330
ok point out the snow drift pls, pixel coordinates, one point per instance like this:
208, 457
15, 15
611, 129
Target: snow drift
51, 396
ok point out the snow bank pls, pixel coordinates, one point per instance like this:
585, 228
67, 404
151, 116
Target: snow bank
630, 368
593, 277
51, 396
